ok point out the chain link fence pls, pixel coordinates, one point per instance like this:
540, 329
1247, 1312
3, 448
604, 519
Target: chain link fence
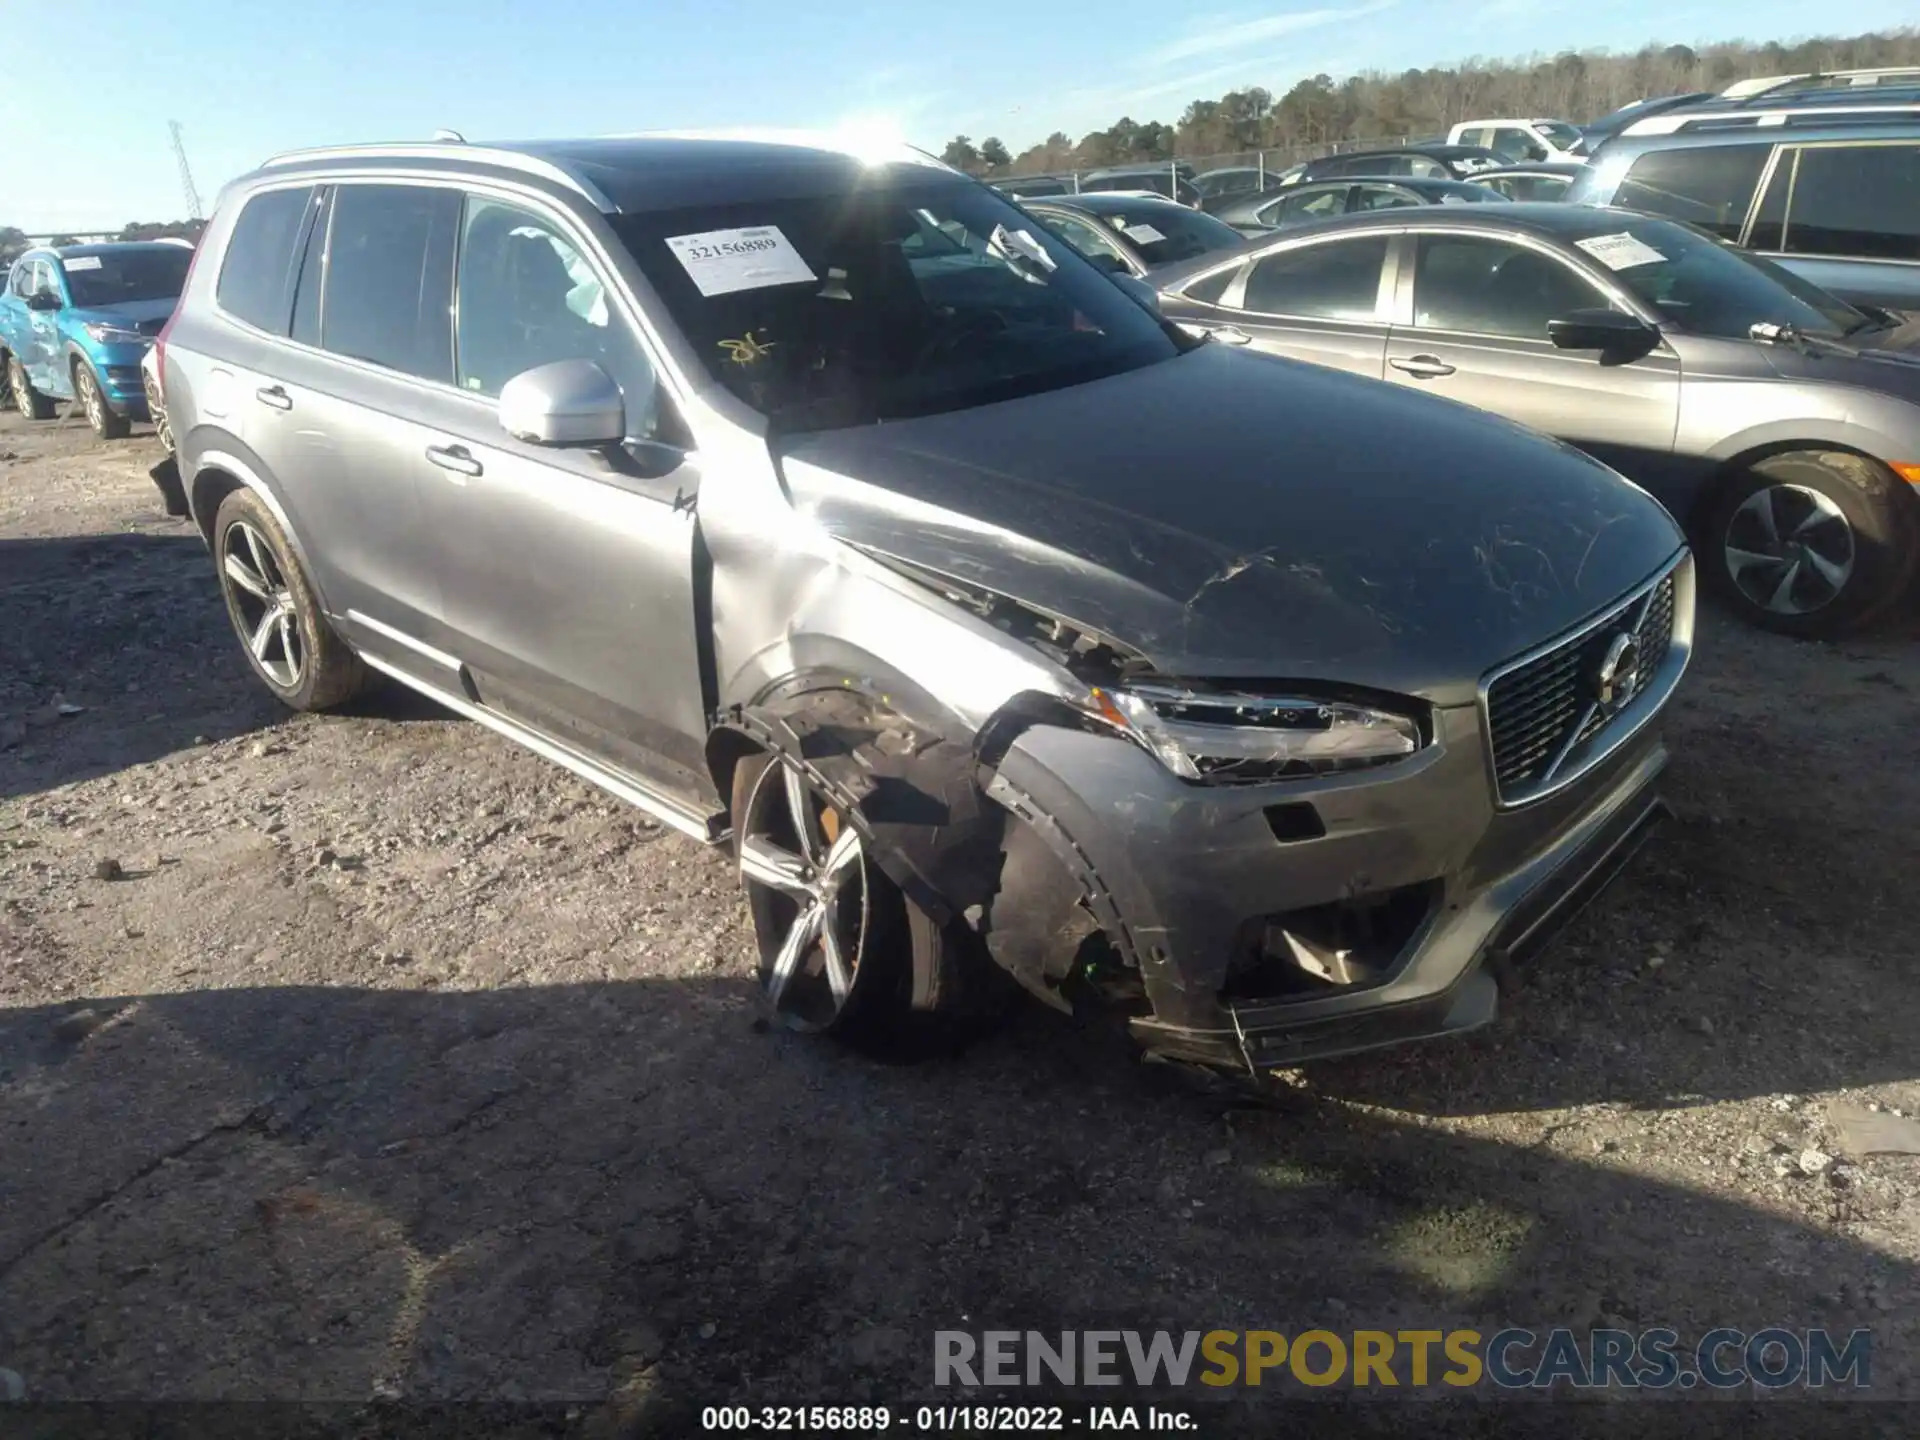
1180, 171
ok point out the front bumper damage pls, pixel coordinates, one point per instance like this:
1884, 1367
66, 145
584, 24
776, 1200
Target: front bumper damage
1197, 887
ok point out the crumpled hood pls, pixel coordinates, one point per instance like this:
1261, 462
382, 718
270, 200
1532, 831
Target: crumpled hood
1233, 515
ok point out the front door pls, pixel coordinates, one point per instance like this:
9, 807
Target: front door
1472, 325
1319, 301
566, 574
43, 337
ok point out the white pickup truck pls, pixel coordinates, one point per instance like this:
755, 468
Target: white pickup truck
1522, 141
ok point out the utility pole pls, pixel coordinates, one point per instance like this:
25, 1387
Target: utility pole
186, 173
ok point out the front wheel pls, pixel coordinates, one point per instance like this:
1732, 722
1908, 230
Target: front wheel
27, 400
104, 420
1813, 543
842, 948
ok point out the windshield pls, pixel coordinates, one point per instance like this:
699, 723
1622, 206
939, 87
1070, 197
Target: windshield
1164, 234
1704, 285
116, 276
1563, 135
901, 299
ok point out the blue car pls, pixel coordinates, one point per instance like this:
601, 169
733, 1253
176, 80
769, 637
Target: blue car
76, 321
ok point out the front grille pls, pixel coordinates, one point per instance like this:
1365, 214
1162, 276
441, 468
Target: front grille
1544, 716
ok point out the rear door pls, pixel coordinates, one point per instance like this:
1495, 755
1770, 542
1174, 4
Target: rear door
1471, 324
369, 330
1319, 300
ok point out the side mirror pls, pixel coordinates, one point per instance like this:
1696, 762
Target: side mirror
1140, 292
569, 402
1112, 264
1612, 332
45, 300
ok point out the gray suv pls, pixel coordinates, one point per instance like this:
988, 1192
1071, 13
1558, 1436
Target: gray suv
1827, 194
829, 508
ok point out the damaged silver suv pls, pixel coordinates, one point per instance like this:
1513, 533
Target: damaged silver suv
826, 507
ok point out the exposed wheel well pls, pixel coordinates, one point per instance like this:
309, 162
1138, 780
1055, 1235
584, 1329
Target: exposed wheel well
726, 748
1731, 468
210, 487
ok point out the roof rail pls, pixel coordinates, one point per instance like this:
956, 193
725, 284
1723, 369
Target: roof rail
1680, 121
504, 157
1818, 79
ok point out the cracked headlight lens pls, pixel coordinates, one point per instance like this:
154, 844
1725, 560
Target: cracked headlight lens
1234, 738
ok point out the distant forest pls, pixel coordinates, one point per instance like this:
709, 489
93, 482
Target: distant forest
14, 240
1315, 114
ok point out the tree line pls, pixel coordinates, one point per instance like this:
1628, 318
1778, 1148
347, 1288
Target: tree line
1317, 113
13, 240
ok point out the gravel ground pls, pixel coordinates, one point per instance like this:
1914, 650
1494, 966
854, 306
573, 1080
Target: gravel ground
366, 1056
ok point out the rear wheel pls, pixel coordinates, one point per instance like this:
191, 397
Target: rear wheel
1813, 543
101, 416
27, 400
275, 613
842, 948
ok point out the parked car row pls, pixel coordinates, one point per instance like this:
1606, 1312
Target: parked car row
837, 510
1780, 424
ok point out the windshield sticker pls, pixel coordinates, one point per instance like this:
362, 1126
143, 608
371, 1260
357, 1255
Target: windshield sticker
1620, 252
1138, 233
81, 262
749, 349
1020, 250
721, 262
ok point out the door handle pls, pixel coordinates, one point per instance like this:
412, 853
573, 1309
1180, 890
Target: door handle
456, 458
1423, 367
275, 396
1231, 335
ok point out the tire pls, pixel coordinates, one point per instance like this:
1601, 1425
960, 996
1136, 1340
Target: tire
275, 614
101, 418
904, 982
1812, 543
27, 400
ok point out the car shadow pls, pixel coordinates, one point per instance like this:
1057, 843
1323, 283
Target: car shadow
115, 650
632, 1194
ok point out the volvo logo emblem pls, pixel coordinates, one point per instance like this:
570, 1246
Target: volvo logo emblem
1618, 675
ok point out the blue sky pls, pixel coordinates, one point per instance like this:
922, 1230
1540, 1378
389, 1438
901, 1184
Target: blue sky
85, 98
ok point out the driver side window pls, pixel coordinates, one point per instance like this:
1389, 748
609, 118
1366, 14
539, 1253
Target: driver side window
1481, 286
528, 297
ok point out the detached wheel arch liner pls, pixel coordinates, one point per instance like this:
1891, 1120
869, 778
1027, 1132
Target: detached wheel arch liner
943, 825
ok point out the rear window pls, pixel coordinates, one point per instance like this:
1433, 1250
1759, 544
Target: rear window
1165, 234
1710, 186
1856, 200
389, 289
253, 284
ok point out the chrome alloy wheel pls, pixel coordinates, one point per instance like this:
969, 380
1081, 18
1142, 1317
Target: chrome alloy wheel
91, 400
805, 873
22, 391
1789, 549
263, 604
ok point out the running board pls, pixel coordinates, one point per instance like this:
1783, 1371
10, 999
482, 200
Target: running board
688, 822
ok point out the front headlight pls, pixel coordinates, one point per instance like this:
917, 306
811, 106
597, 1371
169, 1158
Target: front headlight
105, 334
1231, 737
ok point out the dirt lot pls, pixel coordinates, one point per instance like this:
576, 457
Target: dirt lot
400, 1063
